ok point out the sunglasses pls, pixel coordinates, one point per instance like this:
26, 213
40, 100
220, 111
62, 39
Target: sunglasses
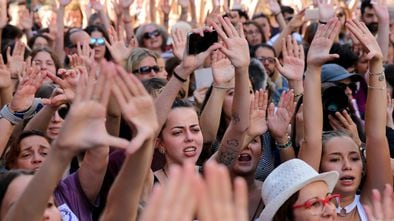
63, 111
97, 41
146, 69
152, 34
268, 59
352, 86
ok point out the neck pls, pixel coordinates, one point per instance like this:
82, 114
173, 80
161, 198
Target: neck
347, 200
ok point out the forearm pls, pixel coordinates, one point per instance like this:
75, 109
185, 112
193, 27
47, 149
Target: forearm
383, 37
297, 86
277, 45
311, 147
6, 129
5, 95
128, 23
59, 41
92, 171
183, 15
124, 196
281, 21
210, 116
41, 120
104, 19
152, 11
241, 100
193, 12
164, 101
34, 200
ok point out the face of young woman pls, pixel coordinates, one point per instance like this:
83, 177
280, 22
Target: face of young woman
312, 191
15, 190
33, 150
248, 158
342, 155
45, 62
153, 40
253, 35
54, 126
148, 62
99, 49
181, 136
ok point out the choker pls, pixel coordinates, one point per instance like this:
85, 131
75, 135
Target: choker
344, 211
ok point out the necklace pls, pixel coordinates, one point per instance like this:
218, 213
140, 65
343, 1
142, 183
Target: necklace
344, 211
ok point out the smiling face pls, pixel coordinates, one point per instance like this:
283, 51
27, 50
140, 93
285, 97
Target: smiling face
181, 136
15, 190
248, 158
33, 150
341, 154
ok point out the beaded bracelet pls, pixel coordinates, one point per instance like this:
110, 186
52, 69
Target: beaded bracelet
285, 145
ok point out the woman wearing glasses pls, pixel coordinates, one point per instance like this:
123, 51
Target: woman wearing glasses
153, 37
143, 63
98, 36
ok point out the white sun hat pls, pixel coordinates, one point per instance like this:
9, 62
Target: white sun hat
288, 178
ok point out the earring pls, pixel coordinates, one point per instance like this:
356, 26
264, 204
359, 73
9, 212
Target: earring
162, 150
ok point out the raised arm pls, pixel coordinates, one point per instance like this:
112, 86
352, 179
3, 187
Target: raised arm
377, 150
139, 112
237, 50
99, 8
318, 54
59, 42
223, 80
382, 12
86, 117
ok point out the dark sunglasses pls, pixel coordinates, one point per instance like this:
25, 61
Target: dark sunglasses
63, 111
269, 59
352, 86
97, 41
152, 34
146, 69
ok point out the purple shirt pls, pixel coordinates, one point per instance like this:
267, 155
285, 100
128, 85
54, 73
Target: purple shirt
72, 201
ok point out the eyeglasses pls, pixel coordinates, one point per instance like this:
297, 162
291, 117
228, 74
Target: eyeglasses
146, 69
97, 41
252, 33
152, 34
352, 86
317, 205
270, 60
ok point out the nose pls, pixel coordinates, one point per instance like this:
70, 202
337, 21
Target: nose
346, 165
189, 136
43, 66
348, 92
37, 158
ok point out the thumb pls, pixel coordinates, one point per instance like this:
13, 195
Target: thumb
331, 57
117, 142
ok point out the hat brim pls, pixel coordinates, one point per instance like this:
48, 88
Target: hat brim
331, 178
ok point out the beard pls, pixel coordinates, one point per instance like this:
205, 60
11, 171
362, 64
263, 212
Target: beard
373, 27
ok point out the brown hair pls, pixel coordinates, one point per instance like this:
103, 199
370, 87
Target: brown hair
285, 212
50, 52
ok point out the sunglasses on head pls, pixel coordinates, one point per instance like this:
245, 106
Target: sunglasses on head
152, 34
352, 86
96, 41
146, 69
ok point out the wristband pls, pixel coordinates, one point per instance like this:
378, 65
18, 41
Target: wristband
285, 145
179, 77
18, 117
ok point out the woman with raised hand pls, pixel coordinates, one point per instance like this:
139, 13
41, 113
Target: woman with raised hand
86, 116
336, 150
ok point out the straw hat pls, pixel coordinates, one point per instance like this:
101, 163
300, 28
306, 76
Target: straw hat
287, 179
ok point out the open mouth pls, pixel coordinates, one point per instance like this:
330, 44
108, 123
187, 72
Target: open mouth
244, 157
190, 151
347, 180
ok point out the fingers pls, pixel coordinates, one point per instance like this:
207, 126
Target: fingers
241, 199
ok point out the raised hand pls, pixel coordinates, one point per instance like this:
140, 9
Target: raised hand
297, 20
117, 46
382, 207
235, 45
15, 61
222, 69
86, 54
137, 107
178, 43
64, 3
87, 114
279, 120
27, 20
96, 5
365, 37
293, 60
343, 121
274, 7
319, 51
175, 199
165, 7
326, 10
219, 199
258, 114
24, 95
381, 9
5, 75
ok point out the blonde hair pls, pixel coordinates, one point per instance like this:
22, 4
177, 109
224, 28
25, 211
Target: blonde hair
136, 56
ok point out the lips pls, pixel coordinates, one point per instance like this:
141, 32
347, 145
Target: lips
190, 151
244, 157
347, 180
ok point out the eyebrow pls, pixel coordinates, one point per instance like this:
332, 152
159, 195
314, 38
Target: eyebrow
30, 147
181, 127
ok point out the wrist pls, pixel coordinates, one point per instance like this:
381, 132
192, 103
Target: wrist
282, 139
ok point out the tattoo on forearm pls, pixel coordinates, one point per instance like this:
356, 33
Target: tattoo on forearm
236, 118
229, 154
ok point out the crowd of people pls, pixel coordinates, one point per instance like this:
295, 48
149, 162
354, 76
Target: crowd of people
288, 115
